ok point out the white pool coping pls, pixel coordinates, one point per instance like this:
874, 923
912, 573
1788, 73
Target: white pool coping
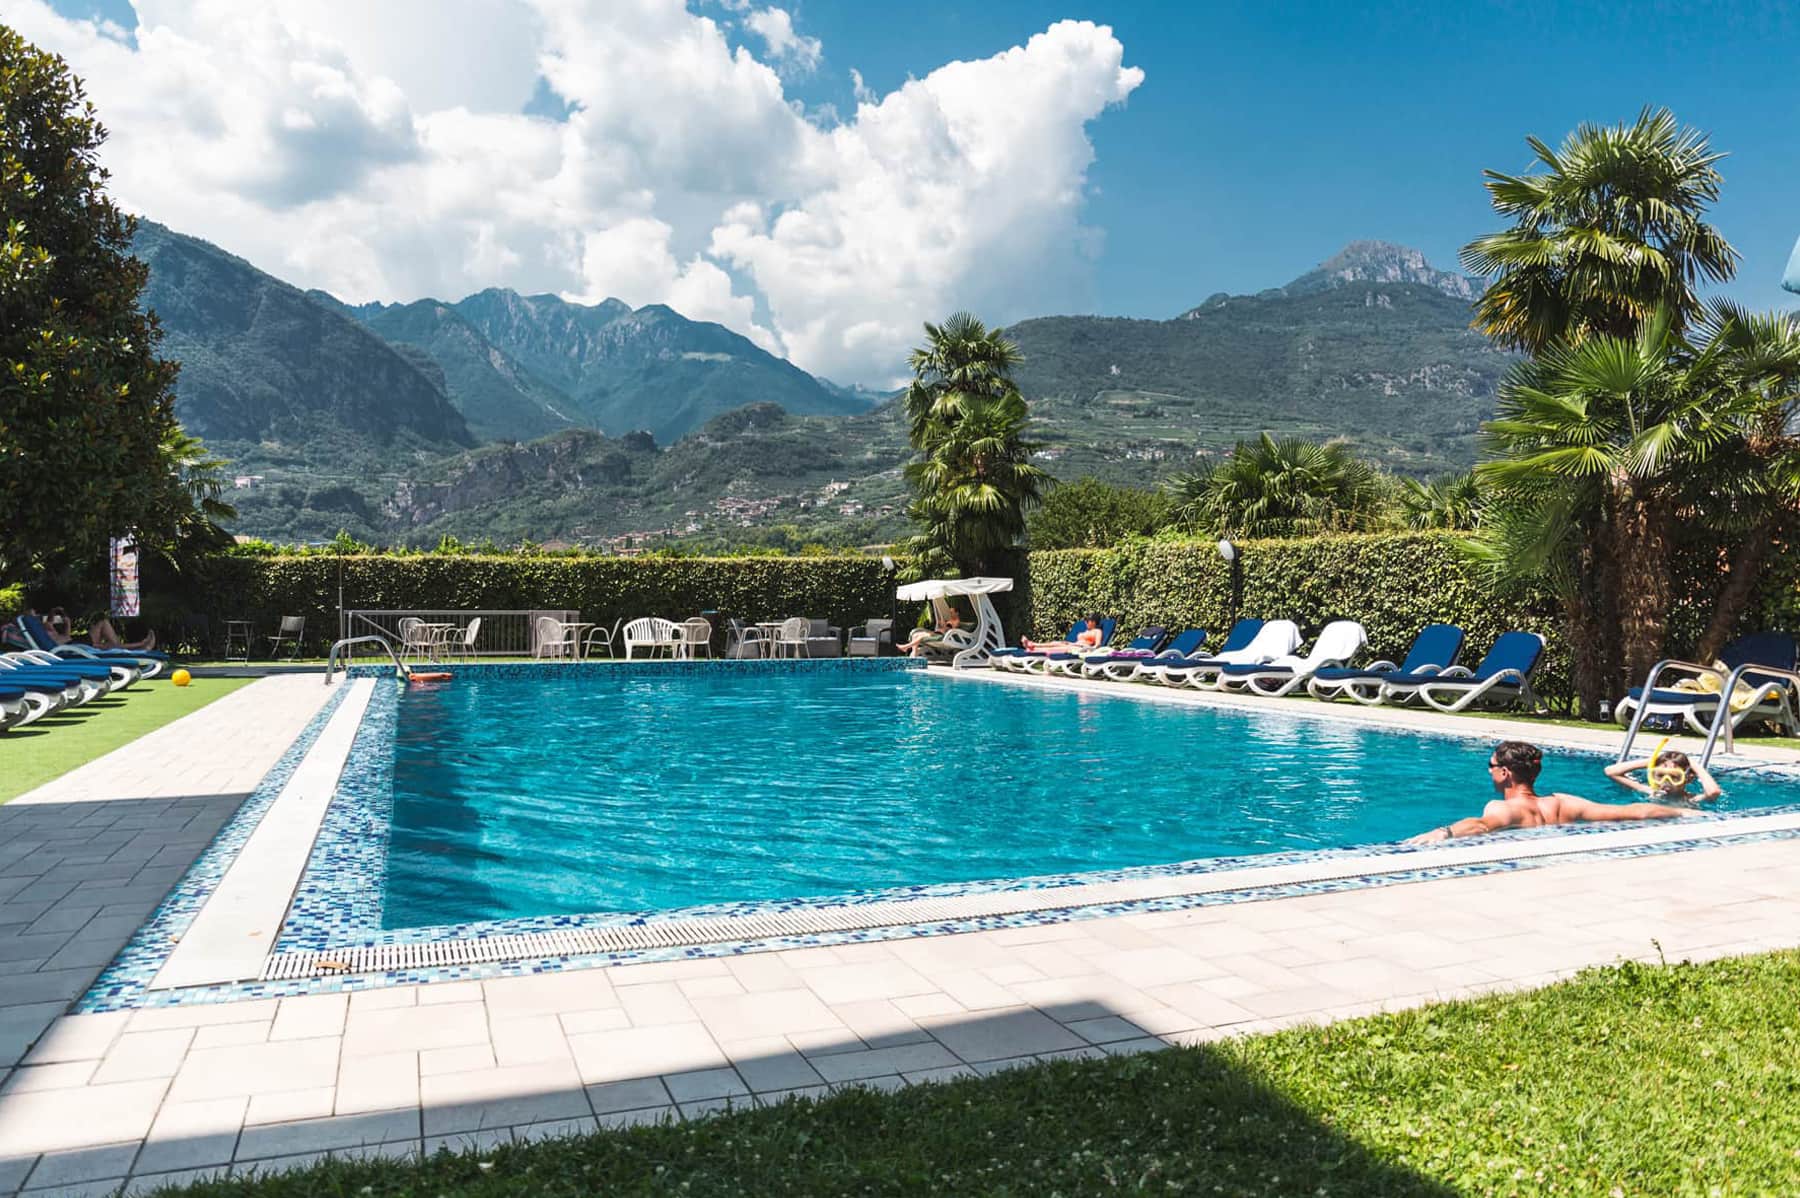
233, 937
234, 931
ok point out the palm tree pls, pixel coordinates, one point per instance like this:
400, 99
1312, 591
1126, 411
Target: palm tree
1752, 497
1270, 488
961, 360
1611, 230
1595, 447
973, 477
1451, 502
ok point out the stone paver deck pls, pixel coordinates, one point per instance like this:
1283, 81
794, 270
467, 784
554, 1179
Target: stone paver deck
138, 1098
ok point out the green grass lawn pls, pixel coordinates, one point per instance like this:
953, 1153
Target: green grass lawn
33, 755
1629, 1080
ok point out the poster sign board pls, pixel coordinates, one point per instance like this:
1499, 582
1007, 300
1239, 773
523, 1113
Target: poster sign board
125, 598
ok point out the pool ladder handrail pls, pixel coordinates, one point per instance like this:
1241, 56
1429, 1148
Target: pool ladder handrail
386, 645
1722, 721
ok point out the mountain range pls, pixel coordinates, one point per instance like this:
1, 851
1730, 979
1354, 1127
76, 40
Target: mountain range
510, 416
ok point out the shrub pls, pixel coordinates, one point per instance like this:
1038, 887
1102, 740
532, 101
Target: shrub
1391, 583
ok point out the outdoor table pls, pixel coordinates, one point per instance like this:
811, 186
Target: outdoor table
579, 628
770, 629
436, 637
238, 631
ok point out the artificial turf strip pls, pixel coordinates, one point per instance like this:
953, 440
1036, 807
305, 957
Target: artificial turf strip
51, 747
1628, 1080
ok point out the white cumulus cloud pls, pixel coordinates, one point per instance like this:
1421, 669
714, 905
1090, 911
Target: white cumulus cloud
381, 152
786, 45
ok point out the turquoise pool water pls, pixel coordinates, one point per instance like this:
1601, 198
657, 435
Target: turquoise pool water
588, 793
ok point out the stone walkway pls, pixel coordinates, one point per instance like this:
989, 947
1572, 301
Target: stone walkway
140, 1098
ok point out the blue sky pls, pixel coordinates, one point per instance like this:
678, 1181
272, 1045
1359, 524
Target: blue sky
1267, 135
1259, 139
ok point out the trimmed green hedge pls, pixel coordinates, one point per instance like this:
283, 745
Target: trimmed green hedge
1392, 583
845, 590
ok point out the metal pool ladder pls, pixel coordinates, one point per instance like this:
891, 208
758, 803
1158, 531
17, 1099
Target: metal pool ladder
1721, 722
386, 645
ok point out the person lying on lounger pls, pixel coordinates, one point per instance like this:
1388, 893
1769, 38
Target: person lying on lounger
1513, 769
924, 640
1667, 777
1089, 638
104, 636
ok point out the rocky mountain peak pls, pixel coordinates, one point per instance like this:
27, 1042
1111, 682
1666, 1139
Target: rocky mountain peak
1381, 262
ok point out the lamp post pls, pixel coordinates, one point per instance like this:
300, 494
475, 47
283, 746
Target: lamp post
1229, 552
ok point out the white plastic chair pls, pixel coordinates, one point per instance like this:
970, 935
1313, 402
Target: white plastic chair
653, 634
465, 644
696, 638
553, 634
603, 636
413, 639
792, 637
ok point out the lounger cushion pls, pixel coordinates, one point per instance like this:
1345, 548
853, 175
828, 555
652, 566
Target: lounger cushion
1398, 679
1347, 674
1245, 668
65, 669
1675, 698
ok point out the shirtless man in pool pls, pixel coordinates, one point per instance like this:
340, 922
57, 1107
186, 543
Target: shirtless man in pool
1513, 769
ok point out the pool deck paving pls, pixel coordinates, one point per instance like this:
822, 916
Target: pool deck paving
91, 1103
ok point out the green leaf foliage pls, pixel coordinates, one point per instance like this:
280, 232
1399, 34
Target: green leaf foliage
85, 403
1090, 514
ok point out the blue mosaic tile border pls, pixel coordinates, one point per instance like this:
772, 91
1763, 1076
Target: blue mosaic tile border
338, 903
411, 977
125, 981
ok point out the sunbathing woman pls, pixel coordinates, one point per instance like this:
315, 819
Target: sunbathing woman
1089, 638
1667, 777
104, 636
924, 640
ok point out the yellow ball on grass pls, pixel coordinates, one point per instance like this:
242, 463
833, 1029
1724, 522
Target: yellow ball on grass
181, 677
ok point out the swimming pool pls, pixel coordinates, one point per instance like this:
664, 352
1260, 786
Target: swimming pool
594, 791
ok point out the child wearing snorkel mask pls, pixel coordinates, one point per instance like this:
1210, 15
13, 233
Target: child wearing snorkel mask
1667, 777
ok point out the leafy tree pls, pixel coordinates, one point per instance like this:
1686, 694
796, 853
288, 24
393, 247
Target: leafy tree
1607, 233
1598, 447
87, 418
973, 477
1750, 496
1091, 514
1270, 488
1450, 503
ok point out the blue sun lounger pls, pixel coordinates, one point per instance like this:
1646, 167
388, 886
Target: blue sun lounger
1172, 671
1771, 698
14, 708
1433, 651
1338, 644
1123, 668
147, 662
1089, 665
1011, 657
1502, 679
1044, 662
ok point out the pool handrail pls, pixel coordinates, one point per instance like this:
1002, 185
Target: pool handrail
1722, 721
331, 658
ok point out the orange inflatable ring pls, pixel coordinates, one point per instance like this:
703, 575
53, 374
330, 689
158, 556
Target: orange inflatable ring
428, 677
